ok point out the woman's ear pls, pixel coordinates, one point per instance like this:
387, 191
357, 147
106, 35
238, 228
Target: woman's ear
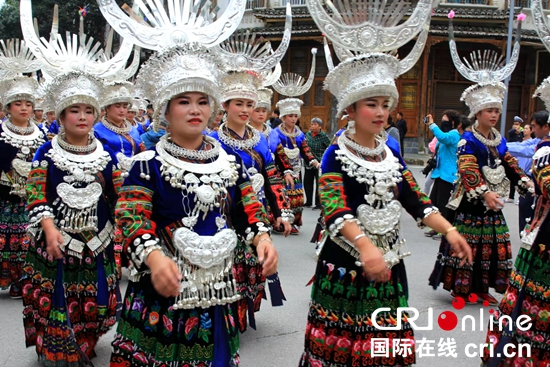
350, 111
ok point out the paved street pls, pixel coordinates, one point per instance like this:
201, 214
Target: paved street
278, 342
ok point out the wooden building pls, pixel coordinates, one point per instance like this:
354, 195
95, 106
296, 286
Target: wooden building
433, 84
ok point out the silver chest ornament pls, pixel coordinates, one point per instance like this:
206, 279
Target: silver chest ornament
294, 158
496, 179
21, 164
380, 216
205, 262
258, 182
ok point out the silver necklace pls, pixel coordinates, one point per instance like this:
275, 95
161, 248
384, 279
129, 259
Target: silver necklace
267, 131
294, 134
118, 130
201, 155
29, 129
237, 144
364, 150
88, 148
488, 142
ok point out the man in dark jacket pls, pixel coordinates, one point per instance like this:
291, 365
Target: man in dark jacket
275, 121
515, 134
402, 127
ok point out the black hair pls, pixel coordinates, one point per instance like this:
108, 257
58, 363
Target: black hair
540, 118
464, 121
277, 112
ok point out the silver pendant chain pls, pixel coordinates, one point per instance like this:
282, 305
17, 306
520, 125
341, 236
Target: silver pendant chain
294, 134
364, 150
488, 142
88, 148
118, 130
246, 144
29, 129
194, 155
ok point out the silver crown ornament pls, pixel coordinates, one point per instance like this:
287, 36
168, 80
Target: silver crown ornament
485, 68
184, 21
365, 43
76, 52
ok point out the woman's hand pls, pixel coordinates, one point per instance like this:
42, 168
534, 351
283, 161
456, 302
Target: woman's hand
289, 180
286, 225
459, 247
54, 240
165, 274
267, 256
493, 201
374, 265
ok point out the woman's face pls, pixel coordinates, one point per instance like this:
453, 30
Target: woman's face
20, 111
527, 131
78, 120
188, 114
239, 110
117, 112
130, 115
218, 118
370, 115
488, 117
259, 115
290, 120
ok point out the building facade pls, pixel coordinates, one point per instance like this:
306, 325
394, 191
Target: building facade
433, 85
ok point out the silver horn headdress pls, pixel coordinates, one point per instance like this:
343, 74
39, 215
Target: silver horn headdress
294, 85
186, 21
76, 53
365, 36
543, 29
16, 57
246, 58
265, 93
487, 69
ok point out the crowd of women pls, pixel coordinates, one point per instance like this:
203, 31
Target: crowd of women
192, 216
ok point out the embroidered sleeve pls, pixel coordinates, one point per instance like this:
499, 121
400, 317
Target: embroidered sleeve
541, 169
414, 200
277, 197
37, 201
255, 220
515, 173
282, 161
334, 202
470, 177
133, 215
306, 153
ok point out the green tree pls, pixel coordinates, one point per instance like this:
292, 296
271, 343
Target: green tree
42, 10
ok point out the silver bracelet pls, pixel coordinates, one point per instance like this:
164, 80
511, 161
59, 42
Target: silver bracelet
358, 237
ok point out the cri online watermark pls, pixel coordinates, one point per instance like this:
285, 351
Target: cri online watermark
448, 321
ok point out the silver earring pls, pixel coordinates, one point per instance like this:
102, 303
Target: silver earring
351, 127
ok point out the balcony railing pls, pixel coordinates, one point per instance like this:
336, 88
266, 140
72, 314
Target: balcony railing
293, 2
469, 2
253, 4
527, 4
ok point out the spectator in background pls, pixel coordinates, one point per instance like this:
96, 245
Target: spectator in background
275, 121
152, 137
318, 142
401, 125
392, 131
523, 152
515, 134
445, 172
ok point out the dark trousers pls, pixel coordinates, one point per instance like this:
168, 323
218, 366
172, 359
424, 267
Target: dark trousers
512, 192
311, 179
440, 195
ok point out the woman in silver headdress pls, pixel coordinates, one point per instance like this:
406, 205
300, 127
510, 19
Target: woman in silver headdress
485, 171
114, 130
69, 284
360, 279
19, 140
180, 211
